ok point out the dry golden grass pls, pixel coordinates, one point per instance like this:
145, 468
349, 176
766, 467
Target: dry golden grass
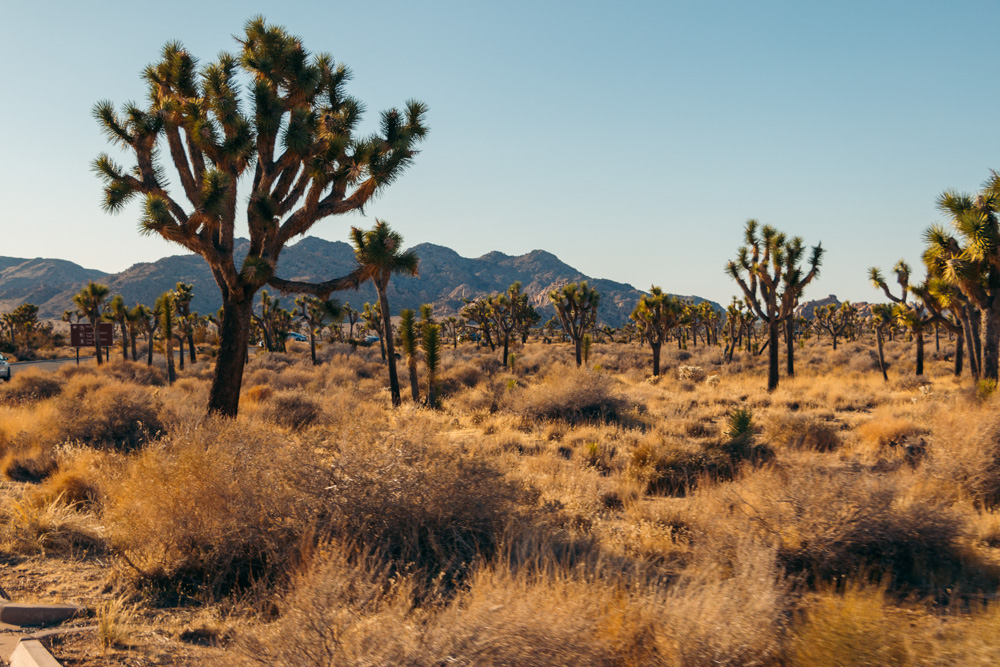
543, 515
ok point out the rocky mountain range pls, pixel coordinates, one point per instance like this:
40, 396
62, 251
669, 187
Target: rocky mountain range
445, 279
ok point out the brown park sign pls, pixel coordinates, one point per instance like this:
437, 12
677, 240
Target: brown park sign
82, 334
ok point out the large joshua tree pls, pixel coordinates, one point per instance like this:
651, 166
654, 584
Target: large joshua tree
380, 253
969, 259
655, 315
767, 269
292, 132
576, 306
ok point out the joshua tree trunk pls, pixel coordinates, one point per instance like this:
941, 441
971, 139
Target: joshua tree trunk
168, 351
958, 356
881, 355
135, 355
97, 339
124, 342
790, 347
991, 340
234, 337
411, 362
190, 341
970, 340
149, 349
920, 351
312, 344
578, 345
180, 350
506, 348
387, 350
937, 338
656, 359
773, 331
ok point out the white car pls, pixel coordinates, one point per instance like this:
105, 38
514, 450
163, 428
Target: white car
4, 368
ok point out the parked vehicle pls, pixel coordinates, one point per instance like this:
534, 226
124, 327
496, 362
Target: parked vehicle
372, 338
4, 368
297, 336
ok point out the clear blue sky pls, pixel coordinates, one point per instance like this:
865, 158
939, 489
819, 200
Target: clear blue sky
632, 139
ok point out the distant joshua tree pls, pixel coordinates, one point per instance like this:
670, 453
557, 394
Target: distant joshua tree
655, 315
767, 269
835, 321
117, 312
90, 302
183, 295
380, 254
576, 306
148, 320
909, 315
315, 312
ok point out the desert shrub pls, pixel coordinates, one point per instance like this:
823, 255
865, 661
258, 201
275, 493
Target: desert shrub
293, 409
293, 378
28, 464
76, 479
965, 455
136, 373
735, 619
831, 523
466, 374
213, 508
856, 622
574, 396
888, 430
28, 387
864, 362
429, 510
802, 432
491, 394
259, 376
258, 393
674, 467
32, 525
110, 415
691, 373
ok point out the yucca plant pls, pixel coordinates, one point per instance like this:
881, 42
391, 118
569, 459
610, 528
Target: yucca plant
431, 344
408, 338
166, 314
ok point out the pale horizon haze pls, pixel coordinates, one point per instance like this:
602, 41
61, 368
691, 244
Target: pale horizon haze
631, 139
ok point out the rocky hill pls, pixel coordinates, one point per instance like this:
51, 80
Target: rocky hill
41, 281
445, 279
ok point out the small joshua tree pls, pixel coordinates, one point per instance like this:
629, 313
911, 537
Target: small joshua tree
380, 253
767, 270
408, 338
166, 313
576, 306
655, 315
431, 344
90, 302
